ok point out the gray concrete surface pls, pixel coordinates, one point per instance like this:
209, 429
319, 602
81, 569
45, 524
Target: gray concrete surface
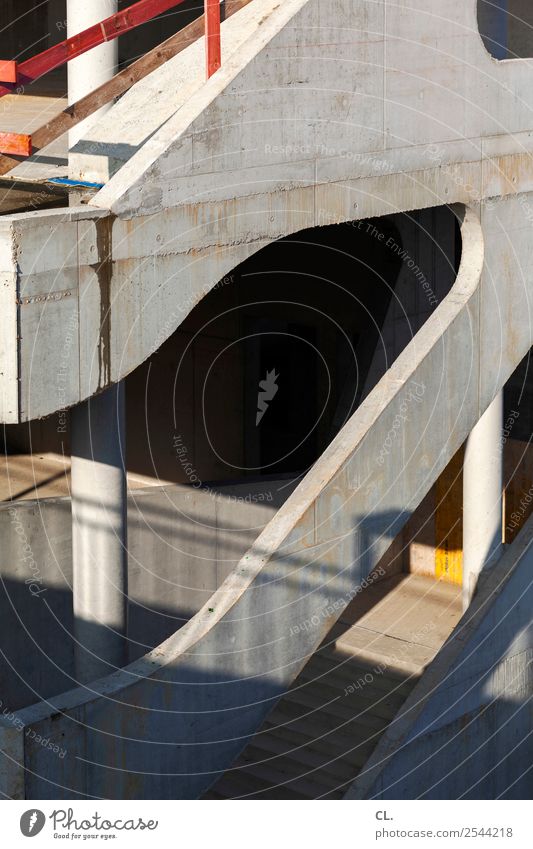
323, 730
38, 475
465, 731
183, 542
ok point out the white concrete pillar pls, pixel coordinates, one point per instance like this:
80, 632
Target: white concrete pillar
482, 497
99, 534
89, 71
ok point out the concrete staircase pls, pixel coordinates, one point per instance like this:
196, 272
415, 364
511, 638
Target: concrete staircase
322, 732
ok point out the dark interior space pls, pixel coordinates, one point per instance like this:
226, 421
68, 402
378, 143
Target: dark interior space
506, 27
297, 322
265, 370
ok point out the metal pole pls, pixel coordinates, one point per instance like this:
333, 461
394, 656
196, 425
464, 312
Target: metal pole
212, 36
482, 497
99, 534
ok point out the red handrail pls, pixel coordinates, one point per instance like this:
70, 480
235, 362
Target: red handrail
212, 36
15, 74
107, 30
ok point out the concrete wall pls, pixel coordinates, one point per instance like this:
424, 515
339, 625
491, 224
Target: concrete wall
206, 190
195, 699
465, 731
183, 542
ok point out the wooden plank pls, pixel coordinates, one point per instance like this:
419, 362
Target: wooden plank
213, 52
116, 87
18, 144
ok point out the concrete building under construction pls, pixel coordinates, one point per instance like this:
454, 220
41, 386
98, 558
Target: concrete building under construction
266, 314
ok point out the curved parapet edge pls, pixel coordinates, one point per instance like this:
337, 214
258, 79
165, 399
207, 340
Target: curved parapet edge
167, 725
457, 714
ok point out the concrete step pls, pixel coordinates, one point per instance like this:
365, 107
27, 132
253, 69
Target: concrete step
321, 733
305, 709
343, 676
354, 746
285, 774
400, 656
339, 703
238, 783
355, 742
348, 669
303, 755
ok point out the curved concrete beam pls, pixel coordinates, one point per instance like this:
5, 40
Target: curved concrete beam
165, 726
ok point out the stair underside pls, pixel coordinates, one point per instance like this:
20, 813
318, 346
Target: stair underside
322, 732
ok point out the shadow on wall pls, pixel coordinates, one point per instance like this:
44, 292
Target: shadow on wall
474, 742
155, 756
228, 698
36, 620
183, 542
186, 567
467, 732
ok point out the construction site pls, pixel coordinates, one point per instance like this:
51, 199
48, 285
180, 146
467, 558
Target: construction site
266, 394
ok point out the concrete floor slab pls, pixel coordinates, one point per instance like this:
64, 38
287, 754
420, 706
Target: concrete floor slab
47, 475
25, 113
416, 609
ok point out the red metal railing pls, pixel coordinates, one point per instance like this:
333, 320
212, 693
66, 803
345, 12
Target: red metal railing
212, 36
21, 74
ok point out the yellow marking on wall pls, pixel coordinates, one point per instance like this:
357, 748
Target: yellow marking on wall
449, 522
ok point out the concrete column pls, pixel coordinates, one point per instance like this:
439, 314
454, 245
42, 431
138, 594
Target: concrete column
97, 66
99, 534
482, 497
